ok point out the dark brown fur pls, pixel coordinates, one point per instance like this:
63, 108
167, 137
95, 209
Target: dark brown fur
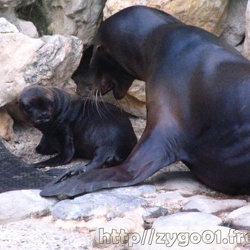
75, 126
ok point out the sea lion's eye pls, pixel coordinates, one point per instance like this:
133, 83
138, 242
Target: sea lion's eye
49, 103
27, 108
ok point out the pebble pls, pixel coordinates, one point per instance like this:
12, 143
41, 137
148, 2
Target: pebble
240, 218
206, 204
241, 222
142, 190
240, 211
150, 214
187, 218
96, 204
154, 212
169, 197
22, 204
183, 181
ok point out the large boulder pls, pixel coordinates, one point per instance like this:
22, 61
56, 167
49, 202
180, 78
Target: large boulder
7, 10
234, 30
49, 60
14, 3
80, 18
246, 50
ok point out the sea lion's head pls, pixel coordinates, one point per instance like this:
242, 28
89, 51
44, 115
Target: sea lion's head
109, 74
36, 104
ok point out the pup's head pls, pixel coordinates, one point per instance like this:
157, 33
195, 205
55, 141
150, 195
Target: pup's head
36, 104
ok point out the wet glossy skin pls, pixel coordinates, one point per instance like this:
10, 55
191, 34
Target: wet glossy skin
198, 105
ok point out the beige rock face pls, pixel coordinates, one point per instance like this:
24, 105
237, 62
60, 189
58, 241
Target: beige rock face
6, 125
77, 17
15, 3
234, 30
25, 61
209, 15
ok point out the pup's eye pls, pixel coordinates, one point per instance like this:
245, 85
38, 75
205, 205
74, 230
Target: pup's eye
50, 102
28, 108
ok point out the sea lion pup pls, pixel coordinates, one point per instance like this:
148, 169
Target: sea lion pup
197, 98
74, 126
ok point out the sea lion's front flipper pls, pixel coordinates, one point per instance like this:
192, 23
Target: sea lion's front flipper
72, 184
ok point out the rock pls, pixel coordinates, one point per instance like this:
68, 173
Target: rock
20, 205
246, 48
189, 230
141, 190
168, 198
78, 17
6, 125
7, 10
27, 28
209, 15
240, 211
234, 30
49, 60
15, 3
151, 214
192, 237
185, 218
209, 205
7, 27
183, 181
96, 204
241, 222
240, 218
154, 212
117, 231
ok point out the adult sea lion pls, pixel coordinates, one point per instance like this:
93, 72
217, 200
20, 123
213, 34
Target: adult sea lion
197, 97
77, 126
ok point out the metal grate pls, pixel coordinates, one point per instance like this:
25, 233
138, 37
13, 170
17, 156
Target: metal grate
16, 174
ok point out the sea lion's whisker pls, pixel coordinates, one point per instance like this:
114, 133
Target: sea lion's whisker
104, 104
96, 104
88, 100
